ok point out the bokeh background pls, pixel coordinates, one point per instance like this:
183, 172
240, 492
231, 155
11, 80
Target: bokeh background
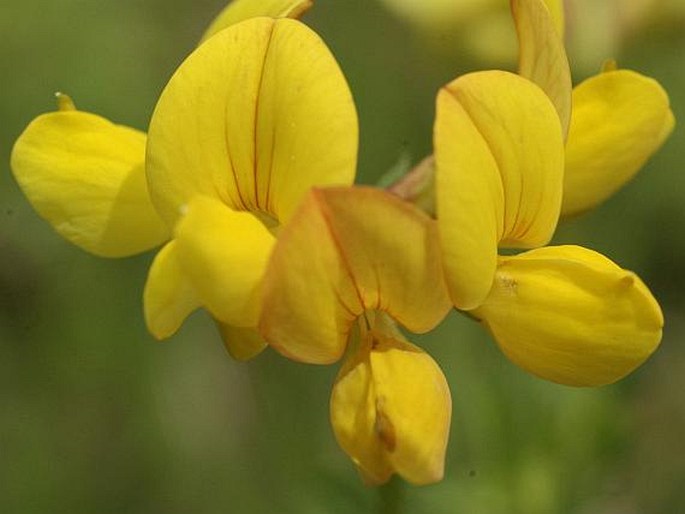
95, 416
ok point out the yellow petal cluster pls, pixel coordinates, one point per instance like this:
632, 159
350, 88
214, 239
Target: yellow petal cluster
371, 259
391, 409
246, 177
503, 172
254, 118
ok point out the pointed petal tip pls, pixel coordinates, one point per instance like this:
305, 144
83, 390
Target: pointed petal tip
64, 102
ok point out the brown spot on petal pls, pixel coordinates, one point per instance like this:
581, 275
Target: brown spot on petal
385, 430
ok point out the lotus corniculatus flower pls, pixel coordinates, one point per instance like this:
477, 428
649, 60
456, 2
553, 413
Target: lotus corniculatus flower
371, 260
503, 176
254, 117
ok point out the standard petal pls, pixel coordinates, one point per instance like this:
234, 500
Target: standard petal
391, 410
620, 118
241, 343
346, 251
86, 177
499, 165
169, 297
542, 56
241, 10
572, 316
254, 117
224, 254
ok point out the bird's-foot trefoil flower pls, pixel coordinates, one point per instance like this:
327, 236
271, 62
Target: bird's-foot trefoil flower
372, 260
564, 313
254, 118
87, 177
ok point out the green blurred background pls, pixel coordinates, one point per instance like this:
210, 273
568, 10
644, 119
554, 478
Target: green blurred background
97, 417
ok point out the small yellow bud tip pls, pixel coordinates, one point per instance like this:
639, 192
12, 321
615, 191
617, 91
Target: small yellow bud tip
609, 65
64, 102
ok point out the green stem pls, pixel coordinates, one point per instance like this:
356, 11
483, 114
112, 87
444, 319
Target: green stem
391, 496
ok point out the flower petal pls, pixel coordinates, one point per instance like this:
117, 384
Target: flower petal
240, 10
390, 411
224, 254
241, 343
542, 57
620, 118
86, 177
169, 297
499, 166
556, 10
345, 251
572, 316
254, 117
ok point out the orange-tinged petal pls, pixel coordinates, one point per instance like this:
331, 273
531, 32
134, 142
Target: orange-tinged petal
620, 118
499, 166
542, 56
241, 343
241, 10
572, 316
390, 411
85, 176
254, 117
224, 254
345, 251
169, 296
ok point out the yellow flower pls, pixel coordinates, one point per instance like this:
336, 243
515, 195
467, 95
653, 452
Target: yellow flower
566, 314
258, 114
252, 120
370, 259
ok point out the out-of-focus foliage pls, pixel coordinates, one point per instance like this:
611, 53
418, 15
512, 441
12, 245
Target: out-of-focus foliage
97, 417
